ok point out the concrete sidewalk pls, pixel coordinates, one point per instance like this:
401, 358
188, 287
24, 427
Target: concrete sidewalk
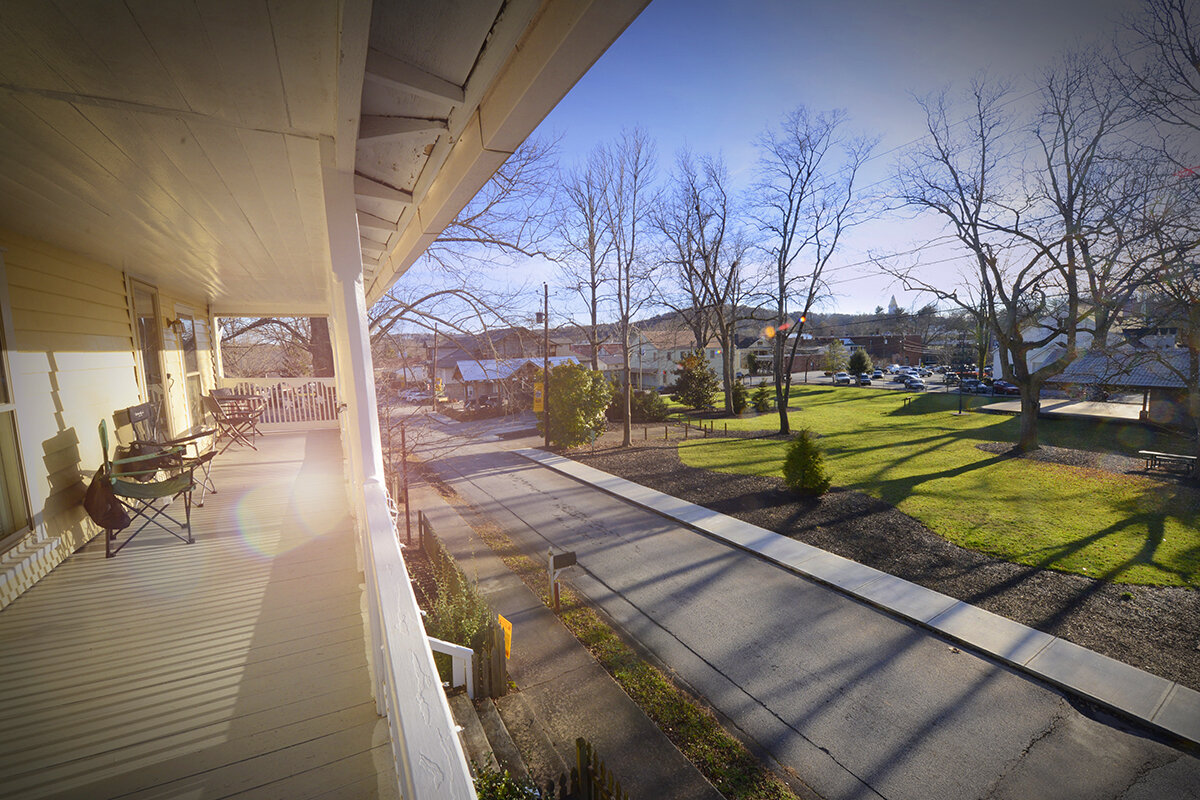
563, 693
1154, 701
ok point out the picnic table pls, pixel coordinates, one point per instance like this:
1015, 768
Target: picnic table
1155, 459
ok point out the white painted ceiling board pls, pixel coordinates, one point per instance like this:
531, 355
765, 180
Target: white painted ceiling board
440, 38
382, 100
269, 163
397, 163
182, 45
113, 39
21, 65
84, 174
51, 36
245, 53
306, 39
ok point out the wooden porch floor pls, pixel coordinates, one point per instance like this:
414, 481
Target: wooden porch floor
231, 667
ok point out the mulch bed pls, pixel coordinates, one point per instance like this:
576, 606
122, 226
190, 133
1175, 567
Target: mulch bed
1157, 629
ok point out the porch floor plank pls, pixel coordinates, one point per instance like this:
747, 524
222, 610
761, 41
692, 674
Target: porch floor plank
232, 667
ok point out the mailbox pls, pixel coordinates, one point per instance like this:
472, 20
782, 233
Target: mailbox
562, 560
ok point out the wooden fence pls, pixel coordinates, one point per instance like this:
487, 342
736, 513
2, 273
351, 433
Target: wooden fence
491, 667
596, 782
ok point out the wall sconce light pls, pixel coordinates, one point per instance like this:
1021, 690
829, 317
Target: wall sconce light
175, 325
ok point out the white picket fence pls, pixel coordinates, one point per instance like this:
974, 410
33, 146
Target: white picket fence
292, 403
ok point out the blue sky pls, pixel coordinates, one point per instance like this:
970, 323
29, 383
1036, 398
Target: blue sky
713, 75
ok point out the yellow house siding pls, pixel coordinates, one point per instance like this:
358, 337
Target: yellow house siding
72, 364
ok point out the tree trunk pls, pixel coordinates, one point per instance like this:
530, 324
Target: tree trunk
321, 348
1028, 440
780, 398
627, 425
727, 372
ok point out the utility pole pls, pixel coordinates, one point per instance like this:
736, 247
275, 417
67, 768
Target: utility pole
433, 371
546, 359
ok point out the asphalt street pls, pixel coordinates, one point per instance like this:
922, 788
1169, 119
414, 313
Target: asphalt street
855, 702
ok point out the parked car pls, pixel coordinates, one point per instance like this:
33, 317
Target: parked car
864, 379
1004, 387
982, 388
842, 377
877, 374
414, 394
968, 384
915, 385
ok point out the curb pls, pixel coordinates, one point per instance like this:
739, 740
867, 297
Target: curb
1162, 704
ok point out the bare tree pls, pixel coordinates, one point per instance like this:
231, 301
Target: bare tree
1051, 216
513, 216
1160, 69
706, 251
587, 245
807, 199
451, 290
287, 346
628, 177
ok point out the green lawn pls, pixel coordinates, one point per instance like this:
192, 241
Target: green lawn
922, 458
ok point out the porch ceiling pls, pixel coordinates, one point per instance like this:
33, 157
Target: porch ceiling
180, 139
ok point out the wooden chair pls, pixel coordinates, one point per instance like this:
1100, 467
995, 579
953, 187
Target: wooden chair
149, 436
140, 483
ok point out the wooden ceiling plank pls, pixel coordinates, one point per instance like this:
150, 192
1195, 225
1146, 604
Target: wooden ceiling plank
304, 155
47, 31
384, 69
365, 187
373, 129
306, 37
182, 45
368, 221
21, 65
113, 35
244, 49
268, 157
250, 221
83, 164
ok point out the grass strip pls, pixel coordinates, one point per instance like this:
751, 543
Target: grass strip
719, 756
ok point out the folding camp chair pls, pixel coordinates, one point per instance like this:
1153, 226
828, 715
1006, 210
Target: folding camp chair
233, 420
149, 436
140, 482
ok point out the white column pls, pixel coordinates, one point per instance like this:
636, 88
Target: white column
352, 340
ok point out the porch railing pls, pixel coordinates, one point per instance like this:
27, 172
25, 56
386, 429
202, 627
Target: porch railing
292, 403
429, 758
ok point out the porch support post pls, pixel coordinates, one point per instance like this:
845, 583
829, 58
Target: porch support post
351, 328
214, 327
354, 374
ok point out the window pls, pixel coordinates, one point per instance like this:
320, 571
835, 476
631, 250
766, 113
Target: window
14, 506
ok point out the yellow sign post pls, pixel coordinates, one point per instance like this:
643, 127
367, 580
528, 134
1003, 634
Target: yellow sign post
506, 626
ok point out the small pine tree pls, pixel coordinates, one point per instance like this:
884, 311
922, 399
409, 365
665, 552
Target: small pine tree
804, 467
695, 382
762, 399
860, 362
738, 400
